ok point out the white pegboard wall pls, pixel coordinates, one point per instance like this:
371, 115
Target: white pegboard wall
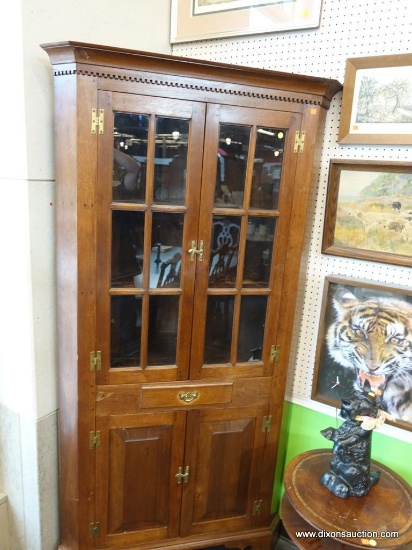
349, 28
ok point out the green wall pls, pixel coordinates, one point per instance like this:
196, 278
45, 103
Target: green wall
301, 432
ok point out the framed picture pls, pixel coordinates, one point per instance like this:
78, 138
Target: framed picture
365, 343
369, 211
377, 100
204, 19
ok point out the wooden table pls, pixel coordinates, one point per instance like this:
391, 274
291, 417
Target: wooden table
307, 506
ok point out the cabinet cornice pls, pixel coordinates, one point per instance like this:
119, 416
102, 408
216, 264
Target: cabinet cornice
94, 60
170, 83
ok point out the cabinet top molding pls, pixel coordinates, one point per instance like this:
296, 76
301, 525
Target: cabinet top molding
94, 57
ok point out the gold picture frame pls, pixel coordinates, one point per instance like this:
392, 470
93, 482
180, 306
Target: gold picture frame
353, 311
193, 20
377, 101
368, 211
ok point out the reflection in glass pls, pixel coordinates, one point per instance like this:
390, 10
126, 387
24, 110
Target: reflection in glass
224, 251
267, 168
163, 323
258, 252
170, 160
129, 157
231, 165
166, 252
218, 337
127, 248
251, 328
125, 330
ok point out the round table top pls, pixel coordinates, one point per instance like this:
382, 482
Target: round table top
357, 521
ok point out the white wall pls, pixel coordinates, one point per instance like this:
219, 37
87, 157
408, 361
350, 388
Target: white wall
28, 378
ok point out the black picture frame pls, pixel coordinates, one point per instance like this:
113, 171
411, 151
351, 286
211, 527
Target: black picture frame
347, 308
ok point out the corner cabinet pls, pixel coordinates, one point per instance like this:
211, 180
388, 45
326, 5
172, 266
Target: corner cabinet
182, 188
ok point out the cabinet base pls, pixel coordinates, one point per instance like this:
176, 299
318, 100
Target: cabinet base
257, 539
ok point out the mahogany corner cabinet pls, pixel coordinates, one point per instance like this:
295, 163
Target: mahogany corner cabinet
182, 187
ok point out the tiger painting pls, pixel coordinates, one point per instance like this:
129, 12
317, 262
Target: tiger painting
373, 337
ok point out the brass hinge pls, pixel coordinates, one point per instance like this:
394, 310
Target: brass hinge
95, 360
98, 121
267, 423
299, 142
94, 440
257, 507
274, 353
94, 530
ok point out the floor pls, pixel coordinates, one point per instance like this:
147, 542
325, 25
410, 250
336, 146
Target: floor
284, 543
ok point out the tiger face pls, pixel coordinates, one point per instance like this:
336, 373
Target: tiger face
374, 338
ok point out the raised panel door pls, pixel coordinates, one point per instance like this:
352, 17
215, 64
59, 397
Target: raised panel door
138, 497
225, 446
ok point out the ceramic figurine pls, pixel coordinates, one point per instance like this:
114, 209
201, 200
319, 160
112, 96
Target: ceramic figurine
350, 473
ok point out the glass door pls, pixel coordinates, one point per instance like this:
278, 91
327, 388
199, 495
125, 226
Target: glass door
246, 198
148, 215
192, 238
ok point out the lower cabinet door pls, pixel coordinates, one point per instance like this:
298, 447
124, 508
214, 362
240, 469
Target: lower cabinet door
225, 447
137, 495
164, 475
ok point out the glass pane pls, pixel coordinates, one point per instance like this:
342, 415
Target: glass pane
127, 248
258, 252
267, 168
129, 157
251, 328
219, 321
224, 251
231, 165
125, 330
163, 322
170, 160
166, 252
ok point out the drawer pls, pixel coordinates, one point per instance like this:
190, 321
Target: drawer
186, 395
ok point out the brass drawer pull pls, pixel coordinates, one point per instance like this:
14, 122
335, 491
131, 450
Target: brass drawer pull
188, 396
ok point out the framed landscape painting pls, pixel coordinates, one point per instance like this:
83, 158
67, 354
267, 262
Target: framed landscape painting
377, 100
369, 211
364, 344
193, 20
